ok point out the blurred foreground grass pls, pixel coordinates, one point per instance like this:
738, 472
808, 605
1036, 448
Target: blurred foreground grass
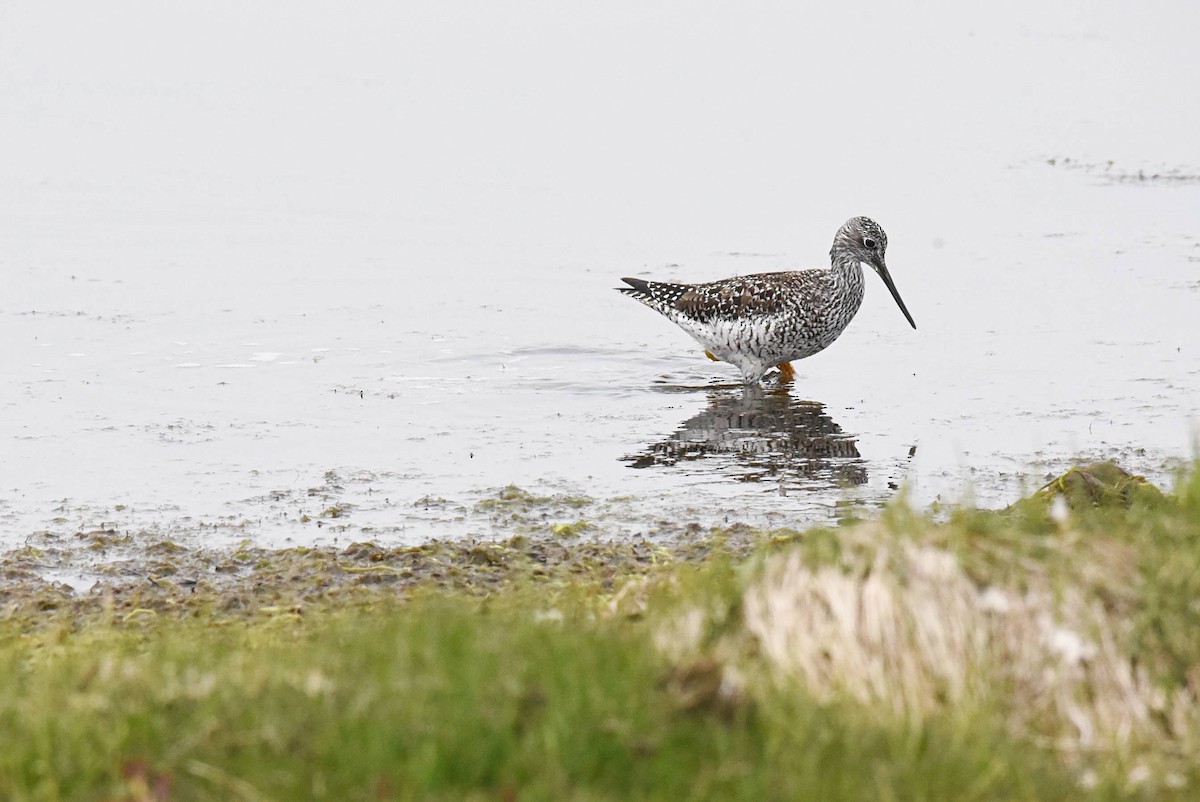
1049, 651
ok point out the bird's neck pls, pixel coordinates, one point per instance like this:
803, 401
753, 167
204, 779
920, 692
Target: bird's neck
846, 277
846, 271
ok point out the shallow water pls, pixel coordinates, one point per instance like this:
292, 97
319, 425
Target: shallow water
352, 291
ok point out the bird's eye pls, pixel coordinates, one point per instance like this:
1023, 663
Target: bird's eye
870, 243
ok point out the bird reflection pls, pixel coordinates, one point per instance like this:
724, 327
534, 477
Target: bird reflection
758, 434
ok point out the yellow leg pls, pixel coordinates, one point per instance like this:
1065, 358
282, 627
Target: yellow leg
710, 356
786, 372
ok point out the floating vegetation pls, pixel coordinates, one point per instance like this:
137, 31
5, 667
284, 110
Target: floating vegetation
571, 529
1110, 172
1101, 484
513, 498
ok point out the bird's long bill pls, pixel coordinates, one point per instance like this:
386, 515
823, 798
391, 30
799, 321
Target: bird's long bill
882, 270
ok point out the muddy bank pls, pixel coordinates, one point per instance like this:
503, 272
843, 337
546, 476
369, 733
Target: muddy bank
124, 575
134, 576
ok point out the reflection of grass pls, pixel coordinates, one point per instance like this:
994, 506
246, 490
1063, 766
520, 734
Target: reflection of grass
1048, 651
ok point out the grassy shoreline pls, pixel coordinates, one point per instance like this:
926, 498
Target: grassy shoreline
1047, 651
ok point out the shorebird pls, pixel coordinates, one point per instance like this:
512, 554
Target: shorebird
767, 320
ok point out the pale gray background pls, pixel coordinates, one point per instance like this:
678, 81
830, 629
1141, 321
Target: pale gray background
222, 221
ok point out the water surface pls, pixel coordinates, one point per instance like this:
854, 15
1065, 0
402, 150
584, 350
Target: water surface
351, 283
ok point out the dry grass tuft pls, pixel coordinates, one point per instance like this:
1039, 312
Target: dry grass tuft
905, 630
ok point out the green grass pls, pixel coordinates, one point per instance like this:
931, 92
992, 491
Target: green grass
506, 674
448, 698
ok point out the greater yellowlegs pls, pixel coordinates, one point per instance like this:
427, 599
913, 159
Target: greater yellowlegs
766, 320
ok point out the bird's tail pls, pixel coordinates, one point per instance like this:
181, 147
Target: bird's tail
636, 287
660, 295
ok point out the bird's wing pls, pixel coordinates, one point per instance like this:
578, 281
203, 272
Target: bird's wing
758, 295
